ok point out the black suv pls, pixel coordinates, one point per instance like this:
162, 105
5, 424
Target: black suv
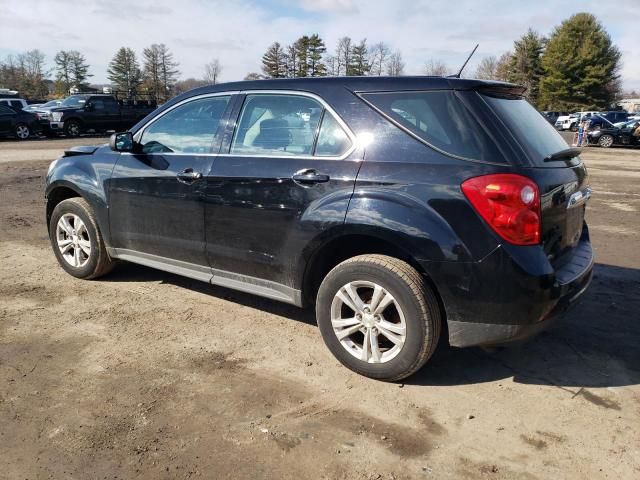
400, 207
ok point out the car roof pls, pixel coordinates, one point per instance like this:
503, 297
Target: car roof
356, 84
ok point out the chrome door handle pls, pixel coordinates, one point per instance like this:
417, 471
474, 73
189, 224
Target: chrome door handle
188, 176
309, 177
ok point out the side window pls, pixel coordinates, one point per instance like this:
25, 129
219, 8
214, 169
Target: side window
272, 124
333, 141
16, 105
4, 110
98, 105
189, 128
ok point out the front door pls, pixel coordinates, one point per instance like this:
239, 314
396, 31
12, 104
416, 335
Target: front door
6, 119
287, 175
157, 192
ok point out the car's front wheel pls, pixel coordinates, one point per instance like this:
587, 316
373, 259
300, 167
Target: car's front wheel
22, 131
378, 316
605, 141
72, 128
77, 241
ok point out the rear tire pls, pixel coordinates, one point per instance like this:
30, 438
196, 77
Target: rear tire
77, 241
22, 131
399, 316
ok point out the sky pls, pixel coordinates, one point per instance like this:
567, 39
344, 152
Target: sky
237, 32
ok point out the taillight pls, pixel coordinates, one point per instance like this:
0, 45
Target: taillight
509, 203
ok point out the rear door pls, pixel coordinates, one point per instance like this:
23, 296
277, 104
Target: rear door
287, 174
157, 193
6, 119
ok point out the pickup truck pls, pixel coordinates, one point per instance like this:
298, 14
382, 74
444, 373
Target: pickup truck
97, 112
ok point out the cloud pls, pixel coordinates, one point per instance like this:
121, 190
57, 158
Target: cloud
239, 31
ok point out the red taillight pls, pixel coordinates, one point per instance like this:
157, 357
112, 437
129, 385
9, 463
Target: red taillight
509, 203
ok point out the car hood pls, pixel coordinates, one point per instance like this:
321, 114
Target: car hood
80, 150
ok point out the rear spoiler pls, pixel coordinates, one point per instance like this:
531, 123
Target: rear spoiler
508, 90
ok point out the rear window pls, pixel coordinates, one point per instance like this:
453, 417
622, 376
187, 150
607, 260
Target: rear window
439, 119
537, 136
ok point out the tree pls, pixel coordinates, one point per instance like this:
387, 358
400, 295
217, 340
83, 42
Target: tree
124, 71
359, 59
343, 56
187, 84
25, 73
581, 66
160, 71
395, 65
487, 68
436, 68
254, 76
212, 71
503, 67
274, 62
379, 56
526, 64
72, 70
315, 51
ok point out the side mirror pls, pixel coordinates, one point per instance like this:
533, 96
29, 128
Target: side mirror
121, 142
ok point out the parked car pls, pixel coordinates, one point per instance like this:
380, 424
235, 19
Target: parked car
597, 122
610, 135
43, 113
552, 117
14, 103
97, 112
19, 124
572, 123
397, 206
615, 116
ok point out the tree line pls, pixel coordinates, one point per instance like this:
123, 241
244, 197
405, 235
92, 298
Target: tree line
307, 57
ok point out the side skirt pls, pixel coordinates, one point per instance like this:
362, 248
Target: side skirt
243, 283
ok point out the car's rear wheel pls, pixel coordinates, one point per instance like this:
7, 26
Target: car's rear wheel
605, 141
72, 128
378, 316
22, 131
77, 241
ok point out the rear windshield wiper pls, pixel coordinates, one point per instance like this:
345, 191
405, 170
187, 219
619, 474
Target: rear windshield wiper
566, 154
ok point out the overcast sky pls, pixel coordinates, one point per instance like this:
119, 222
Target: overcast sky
239, 31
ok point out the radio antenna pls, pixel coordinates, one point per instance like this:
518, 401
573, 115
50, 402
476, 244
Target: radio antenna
457, 75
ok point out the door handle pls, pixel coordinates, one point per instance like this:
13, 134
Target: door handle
309, 177
188, 176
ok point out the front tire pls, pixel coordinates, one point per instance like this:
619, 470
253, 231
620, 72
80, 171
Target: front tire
378, 316
72, 128
605, 141
22, 131
77, 241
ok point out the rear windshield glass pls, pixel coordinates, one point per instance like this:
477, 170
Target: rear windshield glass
537, 136
441, 120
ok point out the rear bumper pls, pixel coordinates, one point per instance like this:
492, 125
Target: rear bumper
510, 297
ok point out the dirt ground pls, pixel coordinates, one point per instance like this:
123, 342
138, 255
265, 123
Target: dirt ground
144, 374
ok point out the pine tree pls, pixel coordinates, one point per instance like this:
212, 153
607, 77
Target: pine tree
301, 52
124, 71
359, 60
160, 71
72, 70
581, 66
79, 70
274, 61
315, 51
526, 64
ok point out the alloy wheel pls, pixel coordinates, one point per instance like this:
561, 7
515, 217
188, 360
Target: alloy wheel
73, 240
368, 321
22, 132
606, 141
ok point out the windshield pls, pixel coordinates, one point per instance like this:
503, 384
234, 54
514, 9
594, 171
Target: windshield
74, 101
52, 103
531, 130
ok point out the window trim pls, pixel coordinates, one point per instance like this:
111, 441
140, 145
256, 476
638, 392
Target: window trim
326, 107
140, 132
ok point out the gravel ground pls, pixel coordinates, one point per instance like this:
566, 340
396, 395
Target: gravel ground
144, 374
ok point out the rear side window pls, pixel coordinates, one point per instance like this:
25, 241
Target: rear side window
17, 106
531, 130
440, 119
332, 139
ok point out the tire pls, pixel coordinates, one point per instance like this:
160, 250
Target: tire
72, 128
413, 305
78, 260
22, 131
605, 141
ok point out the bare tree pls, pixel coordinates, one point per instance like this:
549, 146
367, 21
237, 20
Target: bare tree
395, 65
343, 55
436, 68
487, 68
212, 71
503, 67
380, 53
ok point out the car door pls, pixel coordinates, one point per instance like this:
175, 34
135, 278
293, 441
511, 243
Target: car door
287, 173
156, 193
6, 119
